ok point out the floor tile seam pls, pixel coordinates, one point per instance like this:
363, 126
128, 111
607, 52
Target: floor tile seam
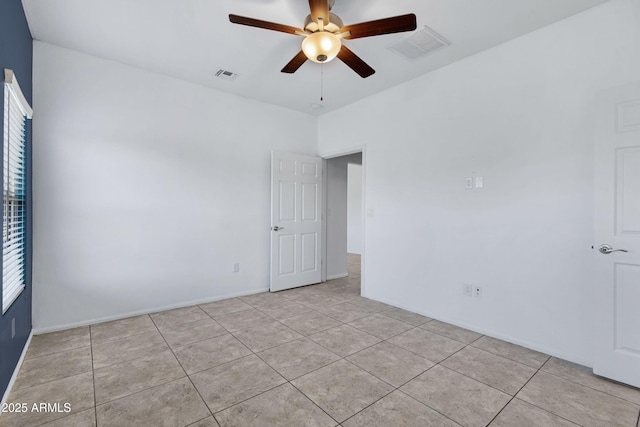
201, 399
381, 379
218, 322
135, 359
383, 339
508, 358
511, 396
370, 405
92, 325
202, 419
638, 423
119, 337
211, 367
249, 306
14, 389
329, 350
173, 325
433, 409
291, 317
224, 314
245, 400
342, 321
350, 354
57, 353
515, 396
129, 394
497, 355
180, 323
313, 402
143, 348
274, 346
93, 382
190, 306
637, 405
265, 349
262, 324
173, 353
196, 341
44, 422
412, 352
448, 337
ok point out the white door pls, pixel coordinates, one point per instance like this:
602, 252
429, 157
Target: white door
296, 223
617, 225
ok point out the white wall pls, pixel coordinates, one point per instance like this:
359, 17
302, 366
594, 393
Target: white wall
520, 115
354, 208
336, 222
147, 189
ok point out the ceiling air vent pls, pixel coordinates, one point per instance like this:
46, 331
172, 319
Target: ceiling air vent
226, 75
420, 43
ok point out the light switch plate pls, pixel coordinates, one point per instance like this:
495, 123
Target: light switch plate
479, 182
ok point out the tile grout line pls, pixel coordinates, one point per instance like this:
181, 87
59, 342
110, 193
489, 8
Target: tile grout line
536, 406
93, 379
184, 370
514, 396
589, 387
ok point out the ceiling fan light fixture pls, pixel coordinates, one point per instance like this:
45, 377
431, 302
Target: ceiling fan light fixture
321, 46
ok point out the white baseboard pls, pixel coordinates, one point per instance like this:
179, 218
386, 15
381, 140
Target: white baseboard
93, 321
493, 334
16, 370
337, 276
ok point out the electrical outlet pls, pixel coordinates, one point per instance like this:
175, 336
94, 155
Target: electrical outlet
477, 291
467, 289
468, 183
236, 267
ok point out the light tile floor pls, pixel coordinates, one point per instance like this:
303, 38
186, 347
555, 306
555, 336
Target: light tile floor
314, 356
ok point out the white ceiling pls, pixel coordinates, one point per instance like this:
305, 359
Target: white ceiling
192, 39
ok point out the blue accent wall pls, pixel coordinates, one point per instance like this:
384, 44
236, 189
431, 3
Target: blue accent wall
16, 53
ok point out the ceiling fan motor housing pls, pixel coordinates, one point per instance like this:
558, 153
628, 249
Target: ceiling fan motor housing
333, 26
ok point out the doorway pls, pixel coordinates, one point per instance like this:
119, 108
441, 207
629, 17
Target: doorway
344, 225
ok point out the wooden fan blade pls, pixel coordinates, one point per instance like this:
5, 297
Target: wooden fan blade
319, 9
395, 24
295, 63
354, 62
243, 20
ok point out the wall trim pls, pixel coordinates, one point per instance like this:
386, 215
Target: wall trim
338, 276
16, 370
44, 330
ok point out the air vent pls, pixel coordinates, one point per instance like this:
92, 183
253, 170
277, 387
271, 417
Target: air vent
226, 75
418, 44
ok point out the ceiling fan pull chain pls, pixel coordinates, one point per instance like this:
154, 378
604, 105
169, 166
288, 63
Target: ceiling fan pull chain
321, 82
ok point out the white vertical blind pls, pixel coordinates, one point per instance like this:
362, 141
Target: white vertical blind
16, 112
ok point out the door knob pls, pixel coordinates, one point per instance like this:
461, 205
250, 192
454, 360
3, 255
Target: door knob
607, 249
276, 228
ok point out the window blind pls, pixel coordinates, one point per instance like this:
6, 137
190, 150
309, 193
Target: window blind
16, 112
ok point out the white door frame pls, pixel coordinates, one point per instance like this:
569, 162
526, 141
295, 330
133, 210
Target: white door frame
330, 155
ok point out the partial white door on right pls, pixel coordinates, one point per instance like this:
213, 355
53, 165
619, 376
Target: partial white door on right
617, 232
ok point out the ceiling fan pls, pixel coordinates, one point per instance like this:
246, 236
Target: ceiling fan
323, 33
